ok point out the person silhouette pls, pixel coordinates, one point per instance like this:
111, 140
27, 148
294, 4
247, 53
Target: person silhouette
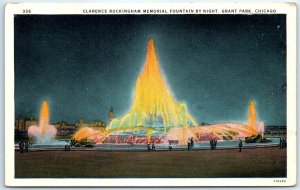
21, 146
148, 147
26, 146
189, 143
211, 142
240, 145
170, 146
215, 143
153, 146
192, 143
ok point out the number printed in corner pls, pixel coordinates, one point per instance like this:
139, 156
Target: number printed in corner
26, 11
279, 180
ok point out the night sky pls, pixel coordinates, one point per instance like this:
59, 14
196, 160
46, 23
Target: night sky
83, 64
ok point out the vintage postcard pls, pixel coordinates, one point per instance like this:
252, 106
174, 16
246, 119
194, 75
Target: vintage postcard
150, 94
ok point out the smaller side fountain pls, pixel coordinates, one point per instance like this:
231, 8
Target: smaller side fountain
86, 135
257, 137
44, 133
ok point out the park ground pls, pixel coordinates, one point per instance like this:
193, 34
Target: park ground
254, 162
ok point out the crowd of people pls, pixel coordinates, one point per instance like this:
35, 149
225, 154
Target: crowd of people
24, 146
213, 143
68, 145
282, 142
151, 146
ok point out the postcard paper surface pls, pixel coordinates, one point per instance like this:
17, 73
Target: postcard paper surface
177, 94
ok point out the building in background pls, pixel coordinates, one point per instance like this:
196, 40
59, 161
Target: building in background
96, 124
111, 114
22, 124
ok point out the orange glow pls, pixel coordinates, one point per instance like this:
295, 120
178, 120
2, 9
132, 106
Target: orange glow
252, 123
88, 132
182, 134
153, 104
44, 133
231, 130
154, 110
44, 117
223, 131
149, 133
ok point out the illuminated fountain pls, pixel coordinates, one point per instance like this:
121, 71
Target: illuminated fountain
44, 133
155, 114
154, 110
89, 133
231, 131
252, 121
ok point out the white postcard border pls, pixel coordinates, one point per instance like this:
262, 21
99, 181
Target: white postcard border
77, 8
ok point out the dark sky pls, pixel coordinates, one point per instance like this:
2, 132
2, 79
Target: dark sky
214, 63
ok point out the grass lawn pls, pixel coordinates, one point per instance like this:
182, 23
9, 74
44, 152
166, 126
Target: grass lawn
259, 162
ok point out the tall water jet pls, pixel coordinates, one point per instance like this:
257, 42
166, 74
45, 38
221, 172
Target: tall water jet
252, 123
44, 117
44, 133
153, 107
